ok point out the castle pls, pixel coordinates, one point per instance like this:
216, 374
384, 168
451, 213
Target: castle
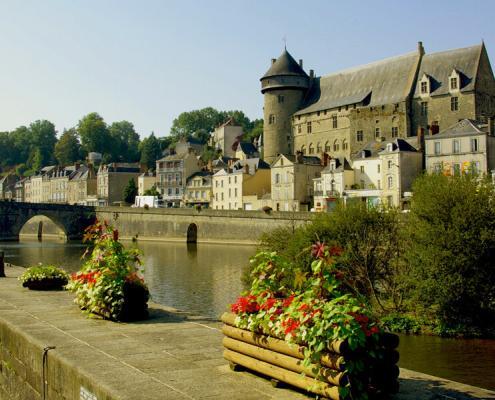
414, 94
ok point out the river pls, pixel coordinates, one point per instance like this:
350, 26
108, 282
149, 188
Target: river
204, 279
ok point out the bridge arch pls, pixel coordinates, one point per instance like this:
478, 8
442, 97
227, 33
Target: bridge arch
192, 233
40, 226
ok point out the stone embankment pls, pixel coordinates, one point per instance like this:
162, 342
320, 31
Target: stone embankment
49, 350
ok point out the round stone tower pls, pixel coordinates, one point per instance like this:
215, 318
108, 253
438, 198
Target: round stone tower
284, 86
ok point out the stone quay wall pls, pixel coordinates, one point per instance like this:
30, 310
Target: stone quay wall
213, 226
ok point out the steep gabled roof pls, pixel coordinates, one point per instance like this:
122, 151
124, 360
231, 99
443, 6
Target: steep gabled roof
383, 82
465, 127
285, 65
438, 67
247, 148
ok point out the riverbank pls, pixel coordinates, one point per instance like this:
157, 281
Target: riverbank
172, 355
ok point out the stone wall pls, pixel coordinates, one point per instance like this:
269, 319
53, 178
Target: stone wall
221, 226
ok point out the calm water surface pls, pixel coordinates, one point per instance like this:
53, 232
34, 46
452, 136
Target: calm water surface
204, 279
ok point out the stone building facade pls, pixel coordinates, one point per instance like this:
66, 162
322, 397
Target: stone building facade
408, 95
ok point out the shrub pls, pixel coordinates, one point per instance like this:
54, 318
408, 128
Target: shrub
109, 283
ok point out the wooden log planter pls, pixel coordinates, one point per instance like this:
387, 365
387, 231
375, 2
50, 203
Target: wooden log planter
283, 362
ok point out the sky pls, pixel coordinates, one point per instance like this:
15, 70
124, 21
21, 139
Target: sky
148, 61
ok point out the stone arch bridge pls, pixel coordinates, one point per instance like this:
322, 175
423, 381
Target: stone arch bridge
72, 220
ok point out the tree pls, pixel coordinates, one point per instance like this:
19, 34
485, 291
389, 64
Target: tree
43, 138
94, 134
130, 192
451, 248
68, 148
125, 142
196, 123
152, 192
151, 150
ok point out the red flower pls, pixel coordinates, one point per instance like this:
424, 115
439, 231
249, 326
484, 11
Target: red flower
288, 301
318, 250
303, 307
245, 304
290, 325
268, 304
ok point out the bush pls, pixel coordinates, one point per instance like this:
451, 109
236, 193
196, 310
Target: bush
44, 277
109, 283
401, 323
451, 248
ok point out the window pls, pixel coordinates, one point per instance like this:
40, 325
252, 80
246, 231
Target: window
424, 108
456, 147
379, 184
229, 180
280, 98
177, 191
378, 168
453, 83
389, 164
395, 131
377, 133
361, 184
299, 128
235, 179
437, 168
454, 103
327, 147
308, 127
474, 145
437, 148
344, 145
169, 191
235, 192
317, 113
359, 136
277, 178
230, 192
271, 119
390, 182
424, 87
318, 147
334, 121
311, 148
361, 168
335, 145
303, 149
222, 196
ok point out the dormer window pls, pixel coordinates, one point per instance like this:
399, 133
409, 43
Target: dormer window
332, 165
454, 81
389, 147
424, 85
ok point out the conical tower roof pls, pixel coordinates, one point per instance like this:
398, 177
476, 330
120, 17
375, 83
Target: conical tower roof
285, 65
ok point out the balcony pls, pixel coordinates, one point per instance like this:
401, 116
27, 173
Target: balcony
327, 193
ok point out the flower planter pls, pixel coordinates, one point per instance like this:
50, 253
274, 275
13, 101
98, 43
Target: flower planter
135, 305
45, 284
280, 361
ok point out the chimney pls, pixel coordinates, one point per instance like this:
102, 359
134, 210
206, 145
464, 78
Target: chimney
273, 60
311, 73
421, 49
299, 157
246, 169
325, 159
301, 62
490, 125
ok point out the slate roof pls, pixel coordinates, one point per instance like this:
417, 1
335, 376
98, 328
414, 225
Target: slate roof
247, 148
206, 175
439, 66
253, 163
465, 127
378, 83
285, 65
373, 149
308, 160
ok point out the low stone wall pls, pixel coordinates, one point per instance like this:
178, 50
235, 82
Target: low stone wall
220, 226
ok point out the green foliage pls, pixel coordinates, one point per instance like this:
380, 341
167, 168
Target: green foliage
152, 192
40, 272
100, 285
314, 312
371, 240
43, 138
151, 150
125, 142
94, 134
68, 148
451, 248
130, 191
401, 323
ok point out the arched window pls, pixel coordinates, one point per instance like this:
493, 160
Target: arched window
318, 147
327, 147
336, 145
311, 149
344, 144
277, 178
303, 149
390, 182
